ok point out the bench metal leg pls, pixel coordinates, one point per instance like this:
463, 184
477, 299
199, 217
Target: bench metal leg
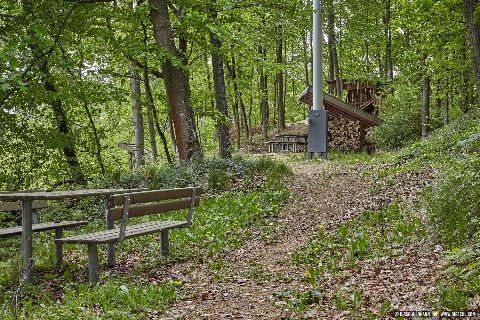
27, 245
164, 242
92, 263
58, 247
110, 254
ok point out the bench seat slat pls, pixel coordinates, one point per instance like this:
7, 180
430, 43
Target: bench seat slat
7, 232
111, 236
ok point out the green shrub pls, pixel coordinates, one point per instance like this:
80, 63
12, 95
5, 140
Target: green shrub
454, 203
401, 119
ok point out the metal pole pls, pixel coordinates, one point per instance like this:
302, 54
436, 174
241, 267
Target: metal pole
317, 56
318, 117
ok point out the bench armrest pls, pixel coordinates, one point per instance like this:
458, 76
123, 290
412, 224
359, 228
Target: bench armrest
192, 205
123, 225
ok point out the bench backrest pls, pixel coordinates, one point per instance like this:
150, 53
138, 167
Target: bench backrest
153, 202
137, 204
17, 205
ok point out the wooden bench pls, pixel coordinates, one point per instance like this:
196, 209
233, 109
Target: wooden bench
136, 204
58, 226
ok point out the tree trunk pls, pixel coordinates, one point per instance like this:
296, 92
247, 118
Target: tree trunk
209, 83
223, 131
155, 121
446, 111
98, 151
464, 91
137, 117
425, 98
263, 97
171, 133
280, 82
238, 103
438, 99
388, 41
176, 83
151, 125
305, 59
473, 25
330, 44
68, 147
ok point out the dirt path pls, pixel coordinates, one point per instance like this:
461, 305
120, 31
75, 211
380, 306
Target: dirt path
240, 285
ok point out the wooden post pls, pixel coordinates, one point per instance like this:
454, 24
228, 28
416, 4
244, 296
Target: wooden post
58, 247
27, 240
110, 226
164, 242
92, 263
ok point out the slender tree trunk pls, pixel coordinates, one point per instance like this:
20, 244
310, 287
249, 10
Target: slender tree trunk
305, 59
446, 109
176, 82
155, 122
98, 151
471, 8
250, 103
223, 131
331, 44
151, 125
438, 99
380, 64
209, 83
263, 97
280, 82
238, 102
171, 133
426, 98
465, 79
137, 116
388, 41
246, 124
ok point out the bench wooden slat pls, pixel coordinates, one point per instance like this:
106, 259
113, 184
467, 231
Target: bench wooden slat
156, 195
7, 232
109, 236
17, 205
153, 208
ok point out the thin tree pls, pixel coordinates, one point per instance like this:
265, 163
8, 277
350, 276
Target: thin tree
280, 81
137, 116
425, 97
223, 131
473, 26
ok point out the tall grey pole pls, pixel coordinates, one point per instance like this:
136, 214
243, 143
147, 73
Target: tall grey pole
317, 56
318, 117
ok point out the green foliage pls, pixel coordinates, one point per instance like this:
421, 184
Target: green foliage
401, 119
460, 281
114, 300
454, 204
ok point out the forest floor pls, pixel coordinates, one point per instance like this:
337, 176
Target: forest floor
261, 281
